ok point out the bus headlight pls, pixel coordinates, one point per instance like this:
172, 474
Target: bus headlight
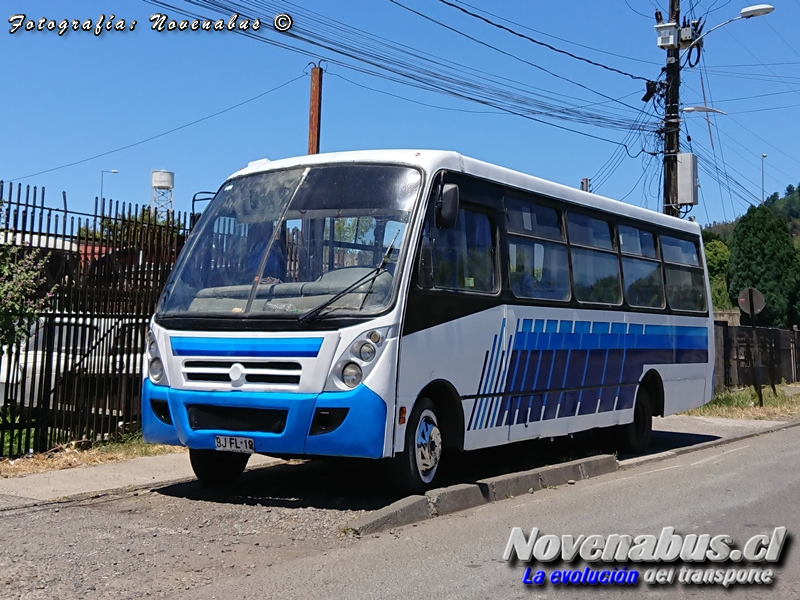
351, 375
156, 370
366, 352
152, 345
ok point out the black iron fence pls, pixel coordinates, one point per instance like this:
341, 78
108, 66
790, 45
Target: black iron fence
735, 360
78, 374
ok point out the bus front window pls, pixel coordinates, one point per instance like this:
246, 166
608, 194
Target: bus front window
281, 243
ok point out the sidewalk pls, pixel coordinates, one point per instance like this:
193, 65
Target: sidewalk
96, 479
670, 433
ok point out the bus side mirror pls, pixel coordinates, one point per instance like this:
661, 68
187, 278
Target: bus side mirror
447, 207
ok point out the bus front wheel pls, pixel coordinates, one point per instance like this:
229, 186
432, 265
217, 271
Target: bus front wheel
414, 469
214, 468
635, 437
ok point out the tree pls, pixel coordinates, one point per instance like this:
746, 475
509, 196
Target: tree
763, 257
789, 189
21, 282
717, 258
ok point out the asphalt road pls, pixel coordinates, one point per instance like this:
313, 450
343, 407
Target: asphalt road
740, 490
277, 532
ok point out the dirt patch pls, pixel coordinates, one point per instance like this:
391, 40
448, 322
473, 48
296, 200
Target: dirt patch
79, 454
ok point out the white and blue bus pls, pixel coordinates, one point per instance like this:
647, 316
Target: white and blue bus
406, 305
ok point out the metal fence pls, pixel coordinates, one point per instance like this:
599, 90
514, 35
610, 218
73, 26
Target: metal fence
735, 357
78, 374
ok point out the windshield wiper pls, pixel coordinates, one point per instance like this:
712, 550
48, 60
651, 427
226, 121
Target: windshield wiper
359, 282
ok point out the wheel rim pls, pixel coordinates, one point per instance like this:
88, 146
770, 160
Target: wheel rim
428, 446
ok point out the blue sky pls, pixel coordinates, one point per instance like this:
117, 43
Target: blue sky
68, 98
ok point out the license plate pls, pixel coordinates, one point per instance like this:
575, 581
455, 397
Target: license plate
228, 443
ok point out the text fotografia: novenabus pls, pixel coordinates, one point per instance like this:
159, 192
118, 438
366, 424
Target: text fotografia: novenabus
162, 22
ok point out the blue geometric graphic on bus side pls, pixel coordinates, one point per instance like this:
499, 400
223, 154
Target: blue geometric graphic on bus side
596, 365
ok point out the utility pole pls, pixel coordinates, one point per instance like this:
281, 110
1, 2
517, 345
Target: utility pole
315, 110
586, 184
672, 124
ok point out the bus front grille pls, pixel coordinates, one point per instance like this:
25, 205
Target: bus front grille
250, 372
203, 417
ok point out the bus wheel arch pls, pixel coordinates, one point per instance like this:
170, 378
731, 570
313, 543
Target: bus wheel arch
448, 407
635, 436
655, 390
432, 431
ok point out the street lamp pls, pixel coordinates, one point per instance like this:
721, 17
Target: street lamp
763, 156
702, 109
101, 181
748, 12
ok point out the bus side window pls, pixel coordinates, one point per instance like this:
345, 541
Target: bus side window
460, 258
538, 269
685, 282
595, 263
641, 268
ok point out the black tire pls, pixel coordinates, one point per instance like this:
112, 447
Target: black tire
214, 468
408, 471
634, 437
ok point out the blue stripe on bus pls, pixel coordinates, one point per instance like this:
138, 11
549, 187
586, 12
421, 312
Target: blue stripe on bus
601, 361
246, 347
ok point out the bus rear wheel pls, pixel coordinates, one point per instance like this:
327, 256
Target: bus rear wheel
414, 470
635, 437
214, 468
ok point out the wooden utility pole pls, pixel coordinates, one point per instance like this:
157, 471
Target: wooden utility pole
315, 110
672, 124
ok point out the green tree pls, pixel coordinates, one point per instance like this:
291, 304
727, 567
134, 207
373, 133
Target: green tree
717, 258
21, 288
763, 257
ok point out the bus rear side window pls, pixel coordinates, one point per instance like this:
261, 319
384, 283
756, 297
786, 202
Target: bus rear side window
686, 288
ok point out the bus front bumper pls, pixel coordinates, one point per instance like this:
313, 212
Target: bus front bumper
348, 423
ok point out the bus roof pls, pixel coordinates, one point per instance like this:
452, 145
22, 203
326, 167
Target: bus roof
433, 160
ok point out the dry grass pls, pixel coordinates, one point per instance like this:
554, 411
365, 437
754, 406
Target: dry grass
68, 456
743, 404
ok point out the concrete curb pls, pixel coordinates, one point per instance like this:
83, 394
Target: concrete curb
463, 496
630, 463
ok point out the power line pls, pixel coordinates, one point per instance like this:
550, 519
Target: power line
496, 49
415, 68
162, 134
649, 18
560, 39
742, 112
757, 96
464, 110
788, 45
777, 64
538, 42
401, 64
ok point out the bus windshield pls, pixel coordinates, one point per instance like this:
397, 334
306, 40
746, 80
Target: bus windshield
283, 243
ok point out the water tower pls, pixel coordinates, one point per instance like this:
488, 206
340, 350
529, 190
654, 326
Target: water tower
162, 182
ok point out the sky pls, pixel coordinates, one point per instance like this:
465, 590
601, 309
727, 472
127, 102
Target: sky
205, 103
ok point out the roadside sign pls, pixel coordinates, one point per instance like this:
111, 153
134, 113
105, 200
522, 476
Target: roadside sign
757, 300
